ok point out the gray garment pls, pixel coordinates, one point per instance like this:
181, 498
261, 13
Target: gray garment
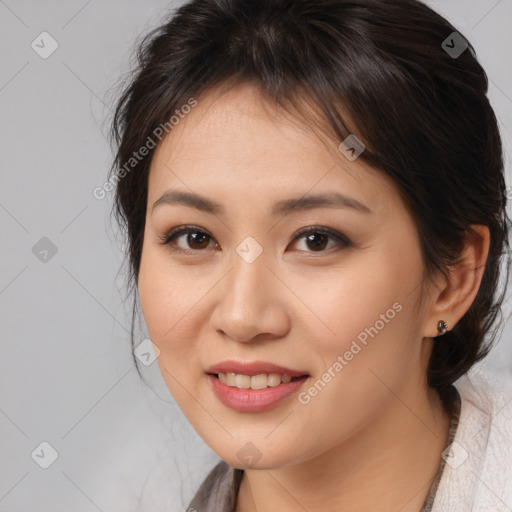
219, 490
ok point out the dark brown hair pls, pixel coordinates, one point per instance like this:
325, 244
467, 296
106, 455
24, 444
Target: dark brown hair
422, 113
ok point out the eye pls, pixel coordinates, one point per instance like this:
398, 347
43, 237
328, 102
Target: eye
196, 238
316, 238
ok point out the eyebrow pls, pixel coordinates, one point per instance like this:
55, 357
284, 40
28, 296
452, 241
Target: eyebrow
281, 208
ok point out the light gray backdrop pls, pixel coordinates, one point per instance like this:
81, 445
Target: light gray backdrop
67, 377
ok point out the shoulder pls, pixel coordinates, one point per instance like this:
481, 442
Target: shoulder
490, 394
478, 471
219, 490
486, 416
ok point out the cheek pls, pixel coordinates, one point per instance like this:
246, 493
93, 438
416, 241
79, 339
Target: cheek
353, 301
367, 327
167, 301
357, 367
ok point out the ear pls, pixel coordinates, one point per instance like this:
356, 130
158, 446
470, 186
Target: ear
455, 293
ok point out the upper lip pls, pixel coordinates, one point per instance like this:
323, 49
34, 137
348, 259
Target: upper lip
253, 368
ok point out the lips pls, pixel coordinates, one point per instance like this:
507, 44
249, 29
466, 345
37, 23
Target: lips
255, 400
253, 368
246, 396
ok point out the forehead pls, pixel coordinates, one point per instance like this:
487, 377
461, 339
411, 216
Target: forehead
238, 122
238, 141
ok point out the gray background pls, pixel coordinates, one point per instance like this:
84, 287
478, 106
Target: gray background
66, 371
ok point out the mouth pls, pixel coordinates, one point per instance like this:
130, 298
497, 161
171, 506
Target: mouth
258, 381
254, 375
254, 393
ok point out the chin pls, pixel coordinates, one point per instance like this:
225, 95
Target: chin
250, 456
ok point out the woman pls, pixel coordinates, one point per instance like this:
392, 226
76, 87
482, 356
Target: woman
314, 201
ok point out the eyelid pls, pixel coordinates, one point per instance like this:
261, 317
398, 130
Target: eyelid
324, 230
178, 231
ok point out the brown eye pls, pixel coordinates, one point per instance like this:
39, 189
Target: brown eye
317, 238
318, 241
195, 240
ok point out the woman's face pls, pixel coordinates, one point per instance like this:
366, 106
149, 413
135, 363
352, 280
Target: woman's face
244, 285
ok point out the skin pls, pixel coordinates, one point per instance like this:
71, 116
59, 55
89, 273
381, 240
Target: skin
372, 438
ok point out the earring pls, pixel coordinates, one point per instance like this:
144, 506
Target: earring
442, 327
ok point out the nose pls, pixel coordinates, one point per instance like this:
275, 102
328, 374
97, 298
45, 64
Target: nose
252, 302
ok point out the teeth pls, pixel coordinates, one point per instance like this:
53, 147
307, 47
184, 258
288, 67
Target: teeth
260, 381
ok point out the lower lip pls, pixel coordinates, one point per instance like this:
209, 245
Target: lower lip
254, 400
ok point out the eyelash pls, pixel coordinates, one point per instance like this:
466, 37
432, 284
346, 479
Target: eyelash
177, 232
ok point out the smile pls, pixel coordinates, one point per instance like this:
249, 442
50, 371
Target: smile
261, 381
249, 399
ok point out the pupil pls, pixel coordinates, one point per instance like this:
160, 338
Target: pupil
193, 237
316, 244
